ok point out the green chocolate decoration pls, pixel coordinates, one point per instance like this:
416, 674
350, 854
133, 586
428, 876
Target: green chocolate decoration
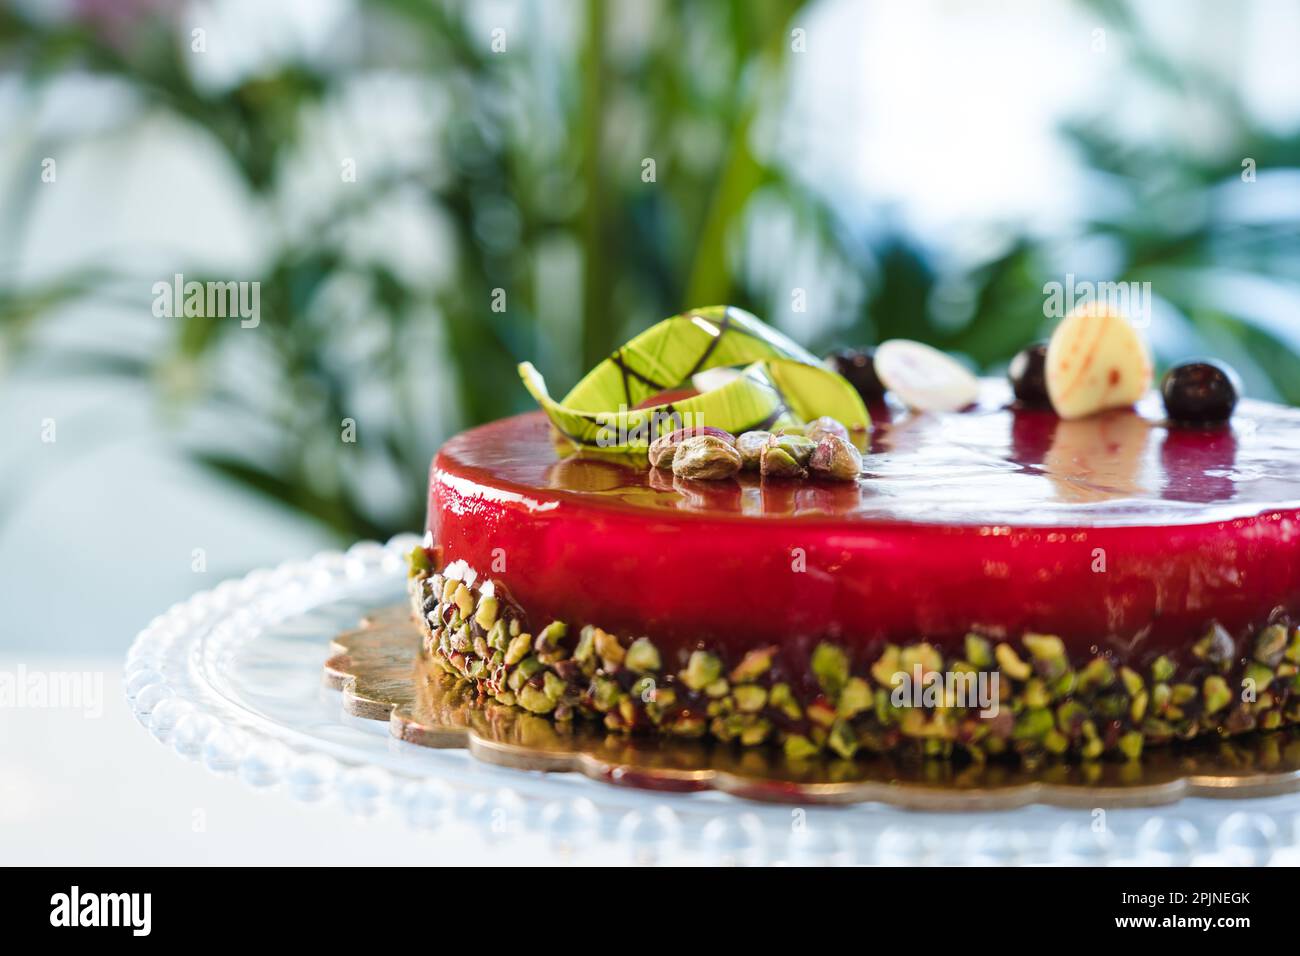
782, 384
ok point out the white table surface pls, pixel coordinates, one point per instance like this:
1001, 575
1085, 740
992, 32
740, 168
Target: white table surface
78, 790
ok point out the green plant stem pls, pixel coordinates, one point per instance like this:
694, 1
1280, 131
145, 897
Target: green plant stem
596, 337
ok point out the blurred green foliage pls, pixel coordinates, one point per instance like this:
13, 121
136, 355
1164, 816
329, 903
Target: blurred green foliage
543, 149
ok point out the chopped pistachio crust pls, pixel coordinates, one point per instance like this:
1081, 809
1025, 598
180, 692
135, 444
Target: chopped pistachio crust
1047, 707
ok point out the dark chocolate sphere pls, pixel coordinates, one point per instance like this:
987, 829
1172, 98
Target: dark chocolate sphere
1200, 393
858, 366
1028, 376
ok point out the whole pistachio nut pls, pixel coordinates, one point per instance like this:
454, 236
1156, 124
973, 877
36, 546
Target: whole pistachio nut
819, 428
706, 458
777, 462
835, 458
750, 445
798, 447
663, 450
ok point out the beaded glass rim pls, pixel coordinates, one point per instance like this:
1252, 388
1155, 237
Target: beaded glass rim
171, 678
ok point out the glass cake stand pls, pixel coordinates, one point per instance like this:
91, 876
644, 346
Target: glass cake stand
233, 678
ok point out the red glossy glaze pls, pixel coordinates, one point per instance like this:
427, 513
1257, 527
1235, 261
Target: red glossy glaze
1114, 532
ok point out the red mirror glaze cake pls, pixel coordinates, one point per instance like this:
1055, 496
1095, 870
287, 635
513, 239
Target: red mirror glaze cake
1105, 582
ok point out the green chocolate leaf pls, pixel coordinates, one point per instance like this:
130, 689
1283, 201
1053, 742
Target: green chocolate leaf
783, 385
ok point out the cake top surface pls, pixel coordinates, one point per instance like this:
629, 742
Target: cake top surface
989, 465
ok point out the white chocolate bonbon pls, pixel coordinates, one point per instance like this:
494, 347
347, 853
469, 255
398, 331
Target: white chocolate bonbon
1095, 361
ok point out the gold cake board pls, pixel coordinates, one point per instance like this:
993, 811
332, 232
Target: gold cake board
383, 676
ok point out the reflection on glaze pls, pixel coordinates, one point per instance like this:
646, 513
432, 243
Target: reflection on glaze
1200, 466
990, 465
1099, 458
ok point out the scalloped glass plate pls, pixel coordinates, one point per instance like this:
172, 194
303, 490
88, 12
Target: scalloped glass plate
232, 678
